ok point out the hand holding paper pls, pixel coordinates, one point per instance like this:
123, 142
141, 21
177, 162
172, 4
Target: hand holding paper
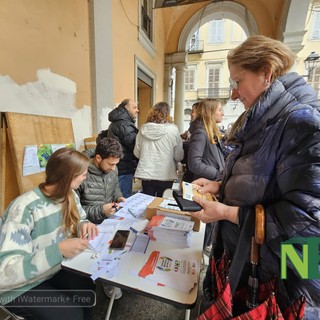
189, 190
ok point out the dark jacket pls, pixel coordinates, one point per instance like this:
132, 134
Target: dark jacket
123, 129
205, 159
276, 162
98, 188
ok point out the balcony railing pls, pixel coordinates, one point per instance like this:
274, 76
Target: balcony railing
218, 93
196, 46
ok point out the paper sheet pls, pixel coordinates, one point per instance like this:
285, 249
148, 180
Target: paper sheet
135, 206
189, 190
171, 269
169, 204
140, 244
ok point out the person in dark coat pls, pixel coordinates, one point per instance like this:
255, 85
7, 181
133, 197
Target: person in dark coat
123, 129
275, 162
188, 176
205, 157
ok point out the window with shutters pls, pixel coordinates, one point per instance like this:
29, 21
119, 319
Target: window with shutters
190, 78
146, 18
216, 31
315, 25
146, 29
213, 77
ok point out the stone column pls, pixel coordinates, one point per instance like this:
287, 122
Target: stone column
179, 96
295, 24
101, 63
167, 84
178, 61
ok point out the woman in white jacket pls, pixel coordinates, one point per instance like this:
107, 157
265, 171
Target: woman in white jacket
159, 149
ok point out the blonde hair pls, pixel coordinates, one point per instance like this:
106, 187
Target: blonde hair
63, 166
205, 112
259, 52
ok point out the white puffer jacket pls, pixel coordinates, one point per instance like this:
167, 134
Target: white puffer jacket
158, 148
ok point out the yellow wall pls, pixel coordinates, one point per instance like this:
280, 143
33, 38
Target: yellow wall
268, 15
126, 47
52, 34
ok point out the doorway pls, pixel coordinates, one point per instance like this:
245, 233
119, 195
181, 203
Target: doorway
145, 94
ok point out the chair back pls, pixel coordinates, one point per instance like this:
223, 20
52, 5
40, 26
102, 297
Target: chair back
90, 142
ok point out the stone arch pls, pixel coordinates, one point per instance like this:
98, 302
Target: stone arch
218, 10
295, 25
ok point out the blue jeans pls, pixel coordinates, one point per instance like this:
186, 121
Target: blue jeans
125, 183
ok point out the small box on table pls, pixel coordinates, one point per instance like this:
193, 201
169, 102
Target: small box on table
154, 208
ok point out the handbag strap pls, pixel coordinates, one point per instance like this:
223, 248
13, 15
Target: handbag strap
242, 251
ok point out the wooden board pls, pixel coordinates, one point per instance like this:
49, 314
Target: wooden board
19, 130
9, 184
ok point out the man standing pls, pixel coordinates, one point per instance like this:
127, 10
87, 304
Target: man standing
100, 192
123, 129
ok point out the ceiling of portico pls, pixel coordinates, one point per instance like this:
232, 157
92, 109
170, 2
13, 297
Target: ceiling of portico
267, 17
171, 3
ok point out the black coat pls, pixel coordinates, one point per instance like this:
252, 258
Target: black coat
276, 163
205, 159
123, 129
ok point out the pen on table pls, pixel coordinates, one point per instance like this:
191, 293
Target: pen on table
95, 253
114, 204
172, 204
130, 211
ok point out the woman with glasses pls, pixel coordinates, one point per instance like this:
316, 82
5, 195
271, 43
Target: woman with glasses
275, 162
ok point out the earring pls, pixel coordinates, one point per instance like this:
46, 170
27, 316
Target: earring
267, 82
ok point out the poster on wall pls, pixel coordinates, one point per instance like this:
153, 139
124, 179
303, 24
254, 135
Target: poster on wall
36, 157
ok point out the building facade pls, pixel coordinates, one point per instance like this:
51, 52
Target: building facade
79, 59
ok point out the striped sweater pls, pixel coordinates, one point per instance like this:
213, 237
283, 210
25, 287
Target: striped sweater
30, 233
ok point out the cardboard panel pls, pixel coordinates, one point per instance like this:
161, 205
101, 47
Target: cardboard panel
17, 131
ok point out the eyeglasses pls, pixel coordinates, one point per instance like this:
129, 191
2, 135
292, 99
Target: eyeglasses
234, 85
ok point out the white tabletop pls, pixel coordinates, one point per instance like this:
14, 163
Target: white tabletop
127, 279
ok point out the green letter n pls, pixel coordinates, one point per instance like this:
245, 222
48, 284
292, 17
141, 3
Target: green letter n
301, 265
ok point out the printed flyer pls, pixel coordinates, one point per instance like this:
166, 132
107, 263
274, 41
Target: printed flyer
168, 269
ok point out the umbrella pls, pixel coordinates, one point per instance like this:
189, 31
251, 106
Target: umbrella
257, 240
